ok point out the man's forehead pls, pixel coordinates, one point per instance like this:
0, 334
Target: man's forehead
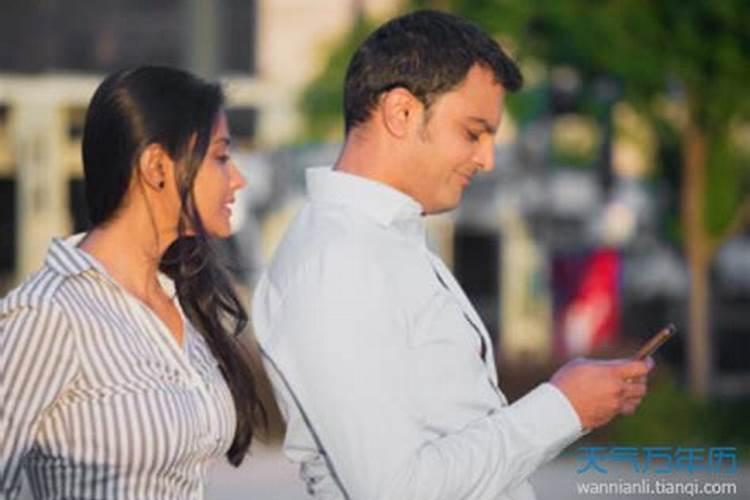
479, 97
483, 122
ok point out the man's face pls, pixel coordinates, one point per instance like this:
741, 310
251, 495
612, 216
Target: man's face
455, 142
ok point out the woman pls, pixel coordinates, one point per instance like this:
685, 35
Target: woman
122, 370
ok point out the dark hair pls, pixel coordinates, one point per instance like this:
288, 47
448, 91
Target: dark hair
131, 110
426, 52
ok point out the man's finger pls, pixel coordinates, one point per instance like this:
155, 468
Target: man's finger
634, 390
634, 369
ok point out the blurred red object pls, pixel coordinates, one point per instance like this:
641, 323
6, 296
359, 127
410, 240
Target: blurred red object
587, 300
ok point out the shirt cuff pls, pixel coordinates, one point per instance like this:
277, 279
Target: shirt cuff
547, 415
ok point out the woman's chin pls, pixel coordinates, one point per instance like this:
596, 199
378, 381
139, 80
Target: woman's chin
222, 232
219, 230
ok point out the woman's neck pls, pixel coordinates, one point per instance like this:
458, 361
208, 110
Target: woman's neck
130, 250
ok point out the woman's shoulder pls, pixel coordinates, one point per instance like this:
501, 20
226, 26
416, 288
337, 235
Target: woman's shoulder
32, 318
38, 291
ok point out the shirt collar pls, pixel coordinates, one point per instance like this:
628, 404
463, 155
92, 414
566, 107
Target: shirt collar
381, 202
67, 259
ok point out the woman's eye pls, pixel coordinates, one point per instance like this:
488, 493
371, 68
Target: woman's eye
223, 158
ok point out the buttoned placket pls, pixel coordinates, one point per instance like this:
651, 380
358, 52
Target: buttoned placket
415, 230
448, 282
211, 395
199, 380
167, 343
208, 410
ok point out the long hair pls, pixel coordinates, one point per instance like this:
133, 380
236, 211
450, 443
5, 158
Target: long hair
131, 110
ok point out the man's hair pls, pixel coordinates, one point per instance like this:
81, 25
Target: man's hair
426, 52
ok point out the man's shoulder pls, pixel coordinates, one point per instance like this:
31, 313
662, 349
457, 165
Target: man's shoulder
331, 236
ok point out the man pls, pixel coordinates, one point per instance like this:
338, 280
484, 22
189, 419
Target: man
382, 367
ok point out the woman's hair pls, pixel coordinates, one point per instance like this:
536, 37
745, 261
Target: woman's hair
131, 110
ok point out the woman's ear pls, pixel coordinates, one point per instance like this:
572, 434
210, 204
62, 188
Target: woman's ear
155, 167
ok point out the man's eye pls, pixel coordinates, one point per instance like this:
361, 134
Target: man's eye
472, 136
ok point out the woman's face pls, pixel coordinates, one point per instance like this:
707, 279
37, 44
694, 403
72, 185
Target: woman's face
216, 182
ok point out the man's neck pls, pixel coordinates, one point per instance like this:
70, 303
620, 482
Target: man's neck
372, 159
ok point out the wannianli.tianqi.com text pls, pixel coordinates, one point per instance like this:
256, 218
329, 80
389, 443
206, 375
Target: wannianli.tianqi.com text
647, 486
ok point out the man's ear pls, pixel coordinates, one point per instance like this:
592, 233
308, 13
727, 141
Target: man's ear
154, 167
399, 109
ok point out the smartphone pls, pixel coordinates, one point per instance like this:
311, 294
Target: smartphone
655, 342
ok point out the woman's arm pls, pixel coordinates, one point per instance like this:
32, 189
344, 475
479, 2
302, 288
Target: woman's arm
37, 361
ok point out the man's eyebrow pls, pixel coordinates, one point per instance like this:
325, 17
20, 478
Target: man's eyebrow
484, 123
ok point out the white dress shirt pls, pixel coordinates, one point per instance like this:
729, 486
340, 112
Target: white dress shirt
98, 399
376, 356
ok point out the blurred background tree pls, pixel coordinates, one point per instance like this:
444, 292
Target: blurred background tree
682, 65
322, 98
691, 53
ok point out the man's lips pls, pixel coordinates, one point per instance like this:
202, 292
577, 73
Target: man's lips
465, 178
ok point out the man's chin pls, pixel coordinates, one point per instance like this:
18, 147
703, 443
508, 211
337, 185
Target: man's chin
439, 209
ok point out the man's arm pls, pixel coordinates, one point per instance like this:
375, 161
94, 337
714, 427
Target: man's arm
340, 344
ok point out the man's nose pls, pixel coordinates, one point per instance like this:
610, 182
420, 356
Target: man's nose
485, 157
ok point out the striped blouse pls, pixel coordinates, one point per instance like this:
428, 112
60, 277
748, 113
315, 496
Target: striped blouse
98, 399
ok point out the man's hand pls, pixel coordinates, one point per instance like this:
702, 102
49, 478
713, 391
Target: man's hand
601, 390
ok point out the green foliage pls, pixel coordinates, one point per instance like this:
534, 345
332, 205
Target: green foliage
693, 52
724, 193
322, 100
668, 415
701, 46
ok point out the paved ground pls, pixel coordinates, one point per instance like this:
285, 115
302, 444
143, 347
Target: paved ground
267, 475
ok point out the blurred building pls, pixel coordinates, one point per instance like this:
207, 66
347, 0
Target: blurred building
293, 41
565, 185
54, 53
